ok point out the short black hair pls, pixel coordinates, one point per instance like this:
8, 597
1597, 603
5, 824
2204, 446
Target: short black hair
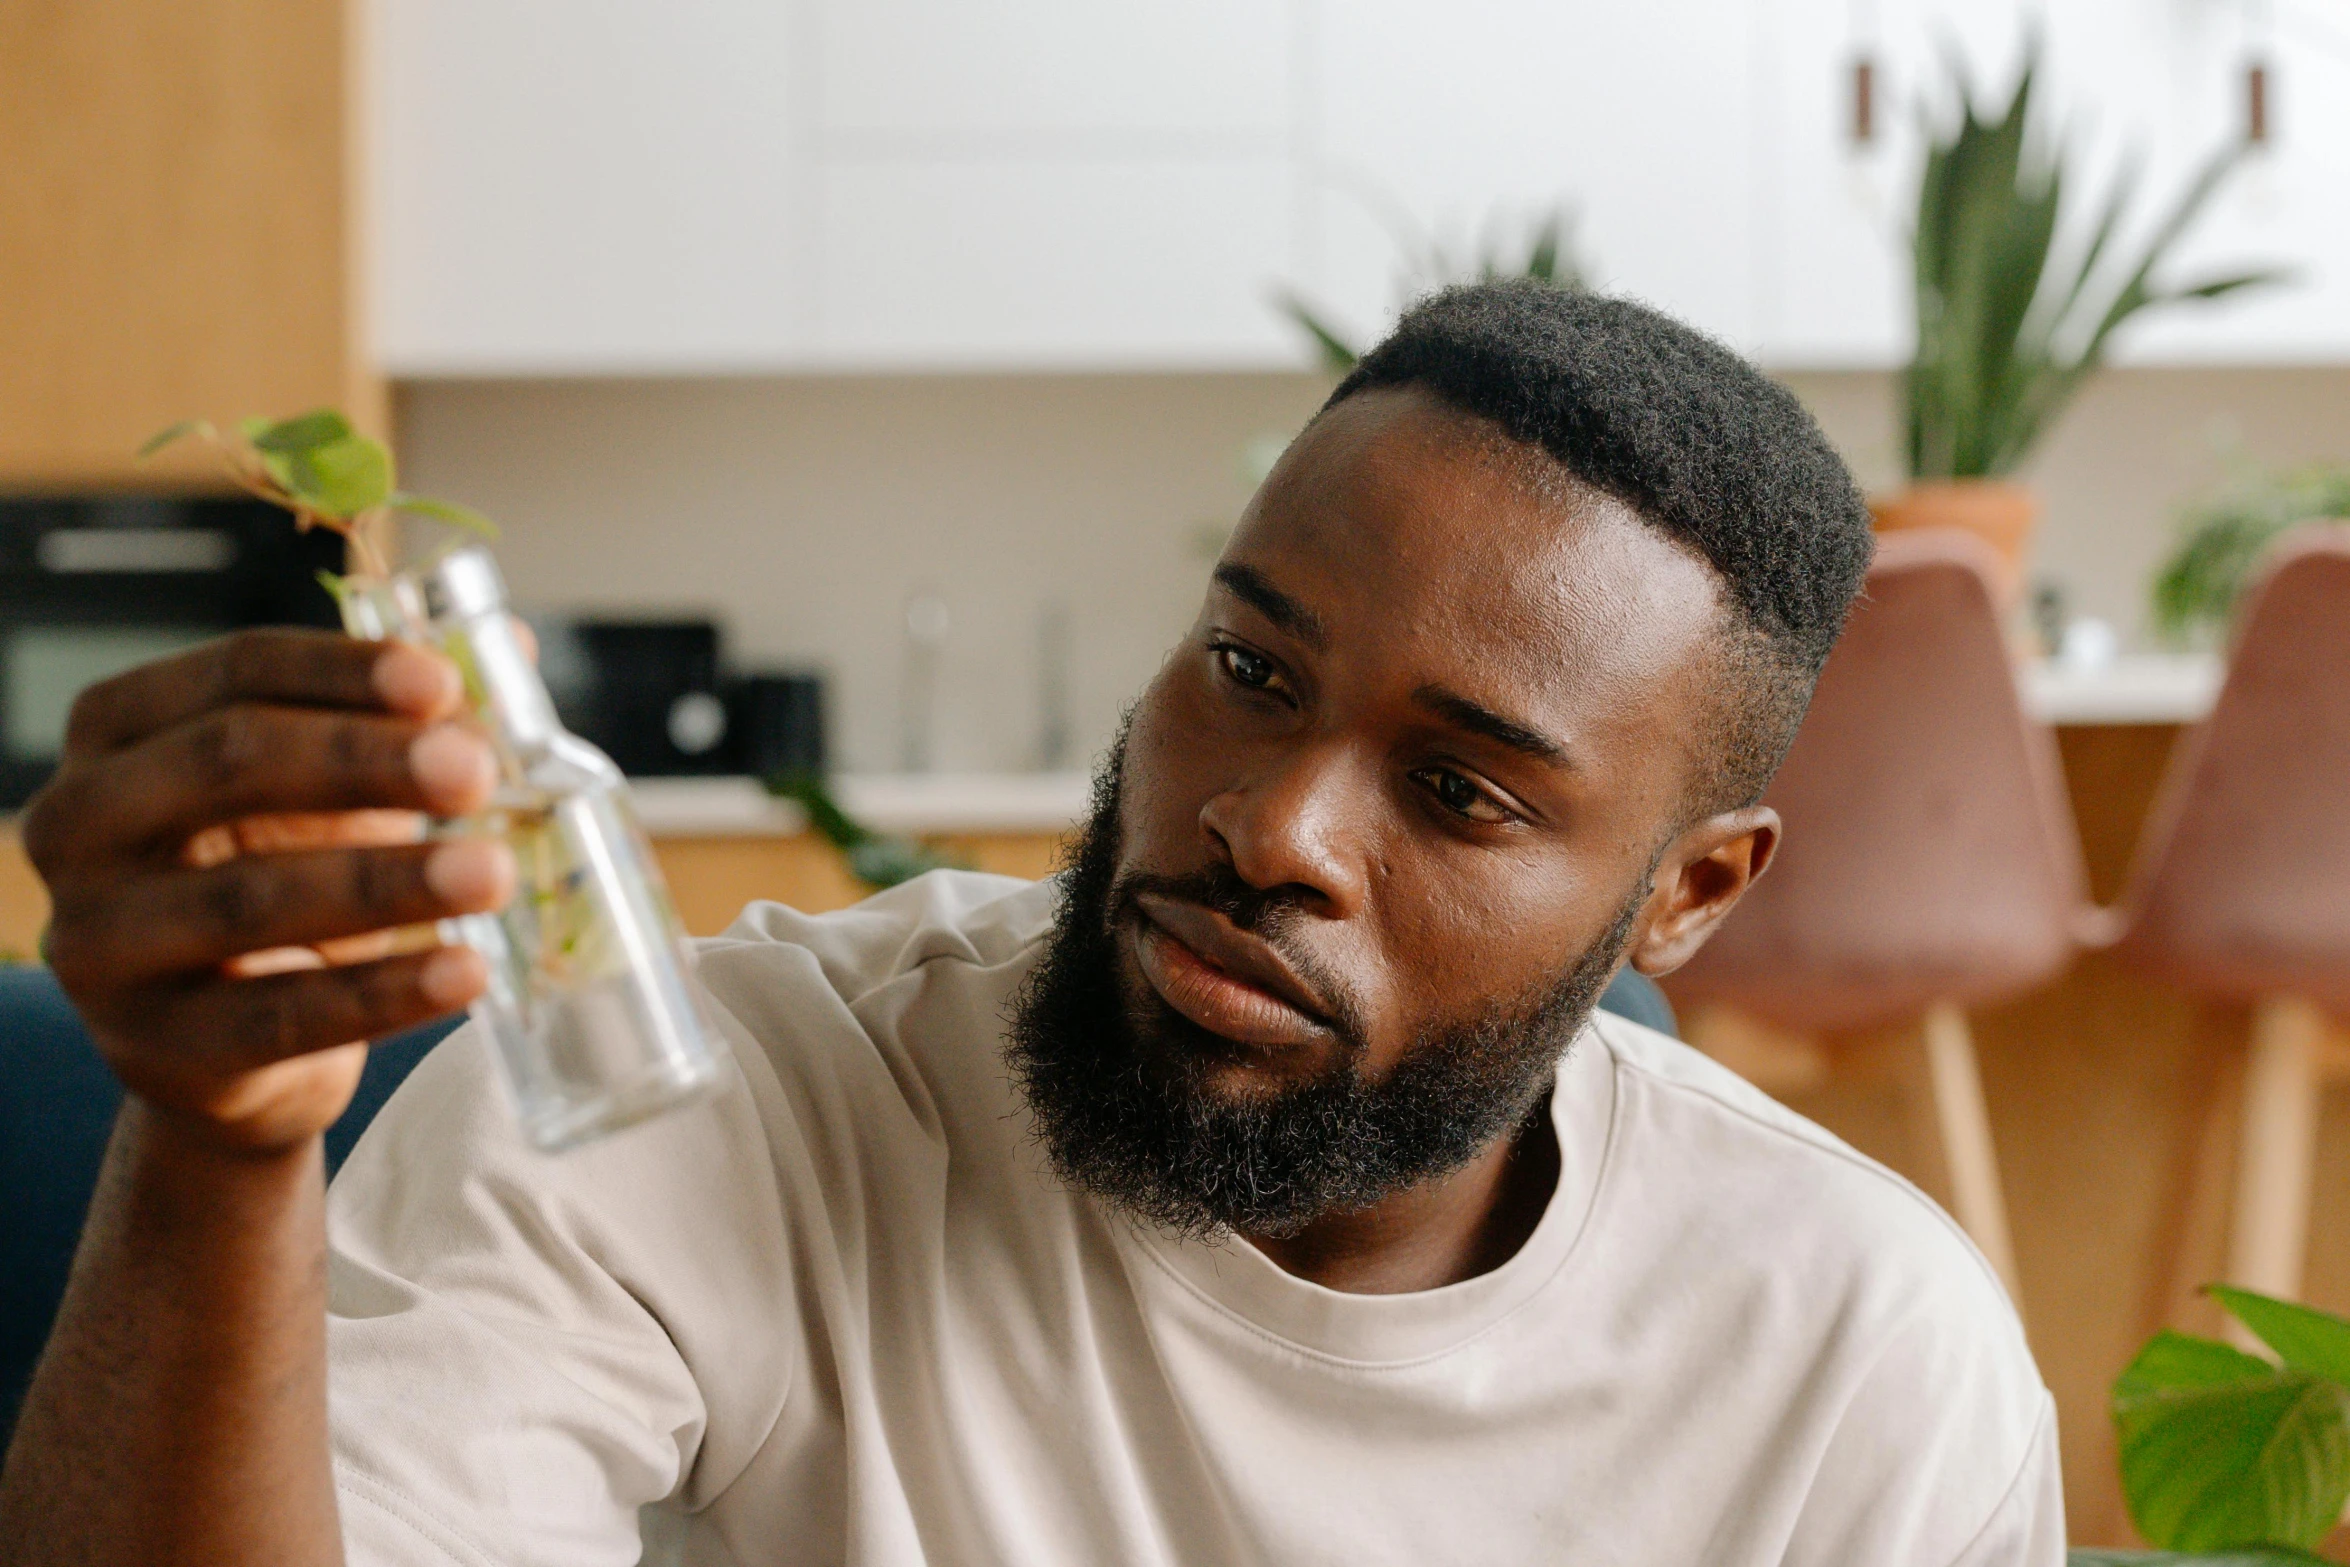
1696, 440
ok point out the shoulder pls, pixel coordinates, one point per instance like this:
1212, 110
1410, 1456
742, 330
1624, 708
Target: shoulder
1895, 1334
954, 916
881, 1023
1708, 1135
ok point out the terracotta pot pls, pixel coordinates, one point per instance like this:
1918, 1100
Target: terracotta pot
1998, 513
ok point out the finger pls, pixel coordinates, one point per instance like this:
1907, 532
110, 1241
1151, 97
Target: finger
236, 1025
251, 761
183, 921
301, 830
272, 664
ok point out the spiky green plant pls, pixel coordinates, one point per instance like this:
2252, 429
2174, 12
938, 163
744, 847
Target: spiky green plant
2225, 533
2008, 329
1549, 257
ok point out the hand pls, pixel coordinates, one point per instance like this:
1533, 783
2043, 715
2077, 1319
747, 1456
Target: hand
233, 850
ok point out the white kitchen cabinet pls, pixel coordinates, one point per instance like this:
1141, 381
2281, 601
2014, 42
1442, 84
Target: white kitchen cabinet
584, 185
1442, 117
1055, 184
1062, 263
938, 75
602, 186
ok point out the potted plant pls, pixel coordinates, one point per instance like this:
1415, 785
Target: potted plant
2223, 536
2008, 329
2229, 1457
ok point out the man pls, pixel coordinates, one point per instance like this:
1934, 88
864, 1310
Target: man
1264, 1190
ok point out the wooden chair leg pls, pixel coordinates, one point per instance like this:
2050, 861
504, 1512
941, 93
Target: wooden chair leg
1963, 1122
2195, 1230
2269, 1228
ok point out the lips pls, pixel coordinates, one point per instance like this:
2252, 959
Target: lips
1232, 984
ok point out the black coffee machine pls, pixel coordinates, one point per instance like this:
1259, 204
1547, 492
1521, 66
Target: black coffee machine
657, 697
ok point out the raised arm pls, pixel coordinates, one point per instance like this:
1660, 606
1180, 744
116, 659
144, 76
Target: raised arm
229, 837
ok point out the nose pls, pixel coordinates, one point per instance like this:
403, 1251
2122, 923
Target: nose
1298, 822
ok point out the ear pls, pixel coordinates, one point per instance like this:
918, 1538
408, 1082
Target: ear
1698, 882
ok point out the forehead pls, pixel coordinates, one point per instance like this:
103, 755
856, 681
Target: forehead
1475, 558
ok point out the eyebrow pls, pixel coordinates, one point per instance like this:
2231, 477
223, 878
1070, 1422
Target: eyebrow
1250, 586
1479, 719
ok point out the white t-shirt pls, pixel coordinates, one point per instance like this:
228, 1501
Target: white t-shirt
843, 1314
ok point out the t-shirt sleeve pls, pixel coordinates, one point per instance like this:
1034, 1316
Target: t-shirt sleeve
2027, 1530
525, 1349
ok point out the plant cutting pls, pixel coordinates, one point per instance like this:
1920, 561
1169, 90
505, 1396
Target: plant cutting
588, 1005
328, 475
2232, 1457
2222, 537
2009, 324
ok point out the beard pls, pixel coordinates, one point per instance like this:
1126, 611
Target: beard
1120, 1084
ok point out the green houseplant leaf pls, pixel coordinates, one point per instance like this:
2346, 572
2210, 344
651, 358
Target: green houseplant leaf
178, 432
2303, 1337
2221, 1449
2223, 535
2255, 1556
341, 477
450, 512
302, 433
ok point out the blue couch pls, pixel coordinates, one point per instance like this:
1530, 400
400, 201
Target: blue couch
57, 1104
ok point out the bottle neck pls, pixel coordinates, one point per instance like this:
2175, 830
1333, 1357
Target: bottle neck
512, 696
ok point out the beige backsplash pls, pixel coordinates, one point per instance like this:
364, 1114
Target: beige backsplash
802, 511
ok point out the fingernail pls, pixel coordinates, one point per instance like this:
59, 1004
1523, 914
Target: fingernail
452, 976
471, 873
414, 681
451, 763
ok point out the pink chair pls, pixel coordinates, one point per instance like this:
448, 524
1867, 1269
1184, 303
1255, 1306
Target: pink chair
1930, 865
2240, 890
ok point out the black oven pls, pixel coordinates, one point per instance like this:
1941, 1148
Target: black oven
90, 586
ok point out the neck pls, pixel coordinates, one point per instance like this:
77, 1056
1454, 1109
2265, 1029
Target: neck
1440, 1232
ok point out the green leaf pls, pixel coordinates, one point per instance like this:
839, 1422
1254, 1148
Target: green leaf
178, 432
2220, 1449
341, 477
338, 587
450, 512
1338, 355
834, 825
302, 433
2305, 1338
2255, 1556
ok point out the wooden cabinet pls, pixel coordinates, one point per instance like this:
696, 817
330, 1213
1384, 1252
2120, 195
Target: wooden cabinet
179, 200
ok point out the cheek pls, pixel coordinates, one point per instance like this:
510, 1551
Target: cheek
1462, 929
1169, 754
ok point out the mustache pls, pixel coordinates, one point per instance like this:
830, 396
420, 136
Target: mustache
1272, 915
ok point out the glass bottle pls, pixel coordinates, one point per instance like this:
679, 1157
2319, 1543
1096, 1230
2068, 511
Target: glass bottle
591, 1005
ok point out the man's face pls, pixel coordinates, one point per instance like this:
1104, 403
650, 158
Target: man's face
1380, 829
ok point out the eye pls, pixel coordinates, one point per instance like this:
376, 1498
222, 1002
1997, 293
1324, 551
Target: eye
1457, 793
1253, 670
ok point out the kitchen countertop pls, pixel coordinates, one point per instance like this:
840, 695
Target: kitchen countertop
2135, 688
